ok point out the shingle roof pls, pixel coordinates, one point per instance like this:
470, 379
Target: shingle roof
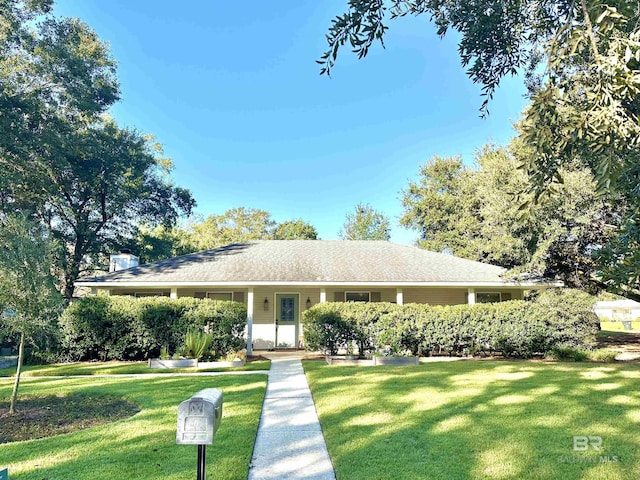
309, 261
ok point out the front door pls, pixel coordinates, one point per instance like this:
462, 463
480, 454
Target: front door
287, 312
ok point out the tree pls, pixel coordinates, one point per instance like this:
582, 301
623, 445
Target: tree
585, 102
365, 224
474, 213
92, 187
234, 226
443, 208
28, 296
50, 70
61, 161
295, 230
161, 242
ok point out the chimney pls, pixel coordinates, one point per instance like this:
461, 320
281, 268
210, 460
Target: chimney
123, 261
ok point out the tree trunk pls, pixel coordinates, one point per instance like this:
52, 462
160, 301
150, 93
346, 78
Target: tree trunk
14, 395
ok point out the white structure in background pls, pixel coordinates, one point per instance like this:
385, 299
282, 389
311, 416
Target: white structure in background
122, 261
618, 310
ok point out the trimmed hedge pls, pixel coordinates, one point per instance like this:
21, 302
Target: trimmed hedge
516, 328
128, 328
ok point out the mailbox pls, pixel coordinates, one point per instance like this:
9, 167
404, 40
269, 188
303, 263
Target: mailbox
199, 418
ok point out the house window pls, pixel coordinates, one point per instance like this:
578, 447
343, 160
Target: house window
222, 296
150, 294
357, 296
488, 297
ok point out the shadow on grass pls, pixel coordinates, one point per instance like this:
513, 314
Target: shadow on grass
142, 446
498, 420
118, 368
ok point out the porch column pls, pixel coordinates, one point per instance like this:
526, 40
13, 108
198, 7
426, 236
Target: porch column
323, 295
471, 296
174, 293
250, 321
399, 296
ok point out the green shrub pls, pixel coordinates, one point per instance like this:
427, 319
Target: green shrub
325, 330
196, 343
127, 328
224, 321
567, 353
516, 328
603, 355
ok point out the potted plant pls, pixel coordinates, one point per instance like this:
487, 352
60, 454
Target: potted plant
349, 353
390, 355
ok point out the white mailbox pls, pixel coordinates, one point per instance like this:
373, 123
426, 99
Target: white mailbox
199, 418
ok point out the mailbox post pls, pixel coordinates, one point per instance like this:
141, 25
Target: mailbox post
198, 420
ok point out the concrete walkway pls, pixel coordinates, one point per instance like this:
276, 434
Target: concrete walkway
289, 444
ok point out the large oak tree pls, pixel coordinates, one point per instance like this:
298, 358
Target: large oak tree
62, 161
474, 213
581, 60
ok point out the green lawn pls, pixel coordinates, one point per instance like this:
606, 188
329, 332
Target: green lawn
111, 368
142, 446
619, 326
479, 420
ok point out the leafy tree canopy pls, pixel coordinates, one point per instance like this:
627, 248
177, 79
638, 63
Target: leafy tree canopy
29, 300
473, 213
233, 226
62, 161
295, 230
366, 224
581, 60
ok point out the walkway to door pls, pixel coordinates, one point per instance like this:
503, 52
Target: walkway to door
290, 444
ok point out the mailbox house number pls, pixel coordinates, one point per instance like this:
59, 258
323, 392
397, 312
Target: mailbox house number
196, 422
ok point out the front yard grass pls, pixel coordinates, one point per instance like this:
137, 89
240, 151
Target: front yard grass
142, 446
119, 368
479, 420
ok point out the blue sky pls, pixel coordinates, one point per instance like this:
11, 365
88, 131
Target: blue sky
232, 92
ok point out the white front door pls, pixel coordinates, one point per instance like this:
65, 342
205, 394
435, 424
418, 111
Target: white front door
287, 319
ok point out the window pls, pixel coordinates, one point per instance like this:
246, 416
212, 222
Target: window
223, 296
357, 296
488, 297
150, 294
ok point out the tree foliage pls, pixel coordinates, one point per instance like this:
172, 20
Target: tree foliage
29, 300
295, 230
581, 60
62, 161
366, 224
474, 213
236, 225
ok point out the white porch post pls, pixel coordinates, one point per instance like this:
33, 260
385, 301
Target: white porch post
471, 296
323, 295
399, 296
174, 293
250, 322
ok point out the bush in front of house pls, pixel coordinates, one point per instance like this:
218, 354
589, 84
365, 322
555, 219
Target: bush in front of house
515, 329
325, 329
128, 328
224, 321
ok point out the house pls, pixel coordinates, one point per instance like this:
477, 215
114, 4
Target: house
279, 279
617, 310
